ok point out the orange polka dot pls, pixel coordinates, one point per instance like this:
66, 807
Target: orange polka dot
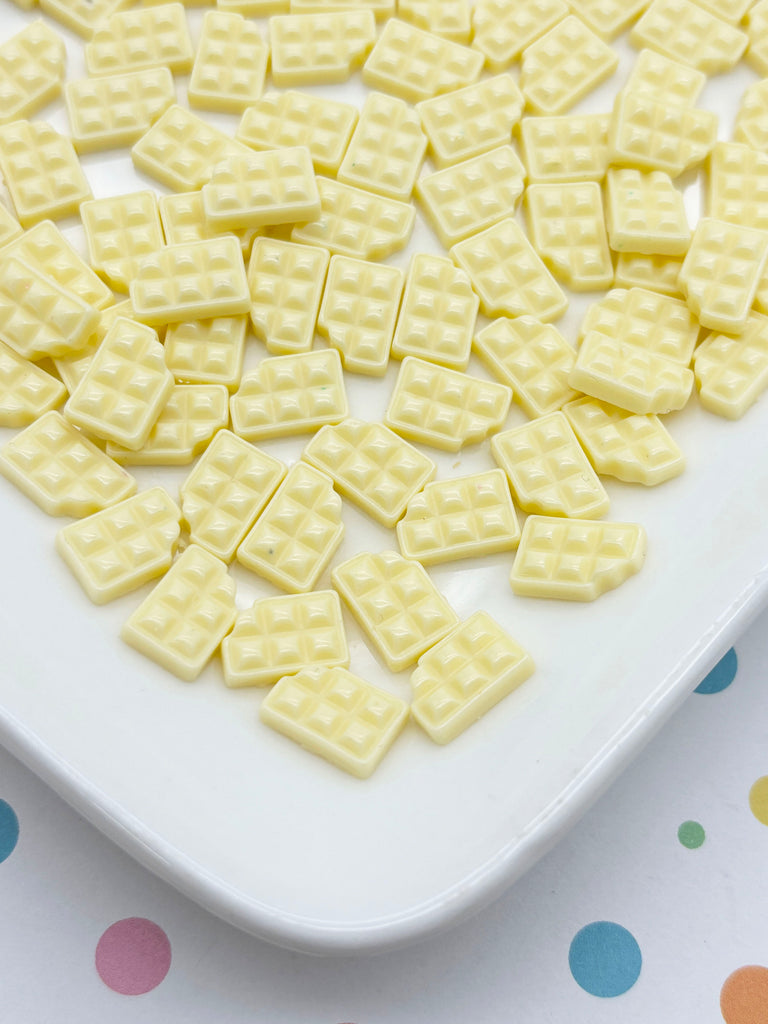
744, 996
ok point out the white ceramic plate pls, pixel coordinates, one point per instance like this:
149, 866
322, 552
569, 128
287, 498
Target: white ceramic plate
186, 779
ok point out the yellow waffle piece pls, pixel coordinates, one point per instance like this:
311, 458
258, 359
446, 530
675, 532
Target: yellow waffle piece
82, 16
184, 428
356, 223
444, 408
255, 8
286, 282
337, 716
655, 323
147, 37
567, 229
628, 376
451, 19
468, 197
732, 372
183, 219
387, 148
26, 391
416, 65
32, 68
226, 491
508, 275
191, 282
738, 185
637, 449
116, 110
751, 125
398, 606
359, 312
608, 18
124, 388
565, 149
665, 79
120, 548
186, 616
438, 314
71, 368
230, 64
62, 471
645, 213
120, 232
42, 172
463, 518
470, 121
687, 33
296, 535
370, 465
729, 10
576, 559
297, 119
207, 351
9, 226
532, 358
381, 8
657, 272
547, 469
258, 189
279, 636
504, 28
650, 134
564, 66
290, 395
722, 271
312, 48
757, 29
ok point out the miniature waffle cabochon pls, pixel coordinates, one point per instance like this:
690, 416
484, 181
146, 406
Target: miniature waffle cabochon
654, 322
757, 29
451, 19
337, 716
751, 125
147, 37
663, 78
576, 559
608, 18
732, 11
633, 448
738, 185
72, 367
82, 16
548, 471
288, 395
359, 312
466, 517
32, 69
61, 470
279, 636
186, 616
444, 408
396, 603
116, 110
370, 465
9, 226
648, 133
183, 218
503, 29
311, 48
120, 548
230, 64
565, 149
207, 351
120, 232
466, 675
688, 33
645, 213
26, 391
660, 273
732, 372
296, 535
226, 491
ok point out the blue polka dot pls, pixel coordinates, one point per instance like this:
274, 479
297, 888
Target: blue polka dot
9, 830
605, 959
721, 676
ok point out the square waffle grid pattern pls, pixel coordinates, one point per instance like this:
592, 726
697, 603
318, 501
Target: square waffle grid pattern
738, 185
116, 110
503, 29
634, 270
207, 351
32, 68
451, 19
565, 149
751, 126
120, 232
608, 18
660, 77
732, 372
653, 322
648, 133
82, 16
687, 33
183, 219
645, 213
757, 34
148, 37
26, 391
230, 64
312, 48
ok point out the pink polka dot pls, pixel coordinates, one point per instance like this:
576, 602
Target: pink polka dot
133, 956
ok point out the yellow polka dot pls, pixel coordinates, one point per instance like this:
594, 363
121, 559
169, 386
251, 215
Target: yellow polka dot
758, 799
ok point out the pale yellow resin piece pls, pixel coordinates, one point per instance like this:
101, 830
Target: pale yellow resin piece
651, 134
722, 271
359, 313
279, 636
508, 275
337, 716
732, 372
296, 535
738, 185
9, 226
665, 79
576, 559
63, 472
657, 272
565, 149
468, 517
532, 358
123, 547
416, 65
504, 28
437, 318
636, 449
255, 8
381, 8
645, 213
729, 10
463, 677
751, 125
370, 465
471, 121
230, 64
26, 391
226, 491
311, 48
207, 351
32, 69
396, 603
757, 29
72, 368
475, 194
451, 19
387, 148
286, 284
120, 232
147, 37
297, 119
187, 615
191, 282
116, 110
687, 33
444, 408
183, 219
356, 223
655, 323
82, 16
608, 18
275, 187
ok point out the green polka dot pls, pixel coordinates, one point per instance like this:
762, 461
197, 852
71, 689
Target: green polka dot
691, 835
